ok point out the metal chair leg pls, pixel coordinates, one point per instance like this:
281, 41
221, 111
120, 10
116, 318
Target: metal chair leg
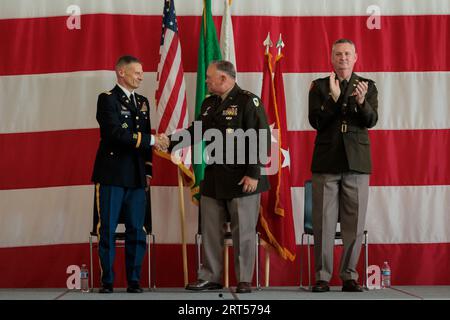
149, 262
91, 263
198, 242
366, 258
301, 260
258, 285
151, 242
309, 262
154, 260
226, 266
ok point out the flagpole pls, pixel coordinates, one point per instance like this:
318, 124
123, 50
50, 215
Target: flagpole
267, 267
267, 43
280, 45
183, 228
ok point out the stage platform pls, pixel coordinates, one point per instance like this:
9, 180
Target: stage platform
266, 293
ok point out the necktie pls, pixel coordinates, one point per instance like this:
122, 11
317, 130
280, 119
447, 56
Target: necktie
344, 84
133, 103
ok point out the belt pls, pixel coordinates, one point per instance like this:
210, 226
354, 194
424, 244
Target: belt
345, 127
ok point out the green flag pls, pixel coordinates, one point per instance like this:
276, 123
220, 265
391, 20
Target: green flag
208, 50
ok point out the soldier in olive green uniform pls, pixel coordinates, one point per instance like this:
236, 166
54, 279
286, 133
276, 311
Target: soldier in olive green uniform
341, 108
230, 187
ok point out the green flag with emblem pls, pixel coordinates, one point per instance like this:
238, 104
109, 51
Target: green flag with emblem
208, 50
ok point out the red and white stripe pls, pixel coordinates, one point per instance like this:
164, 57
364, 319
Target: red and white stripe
171, 93
50, 78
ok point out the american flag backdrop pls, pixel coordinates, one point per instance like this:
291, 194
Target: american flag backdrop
171, 105
57, 56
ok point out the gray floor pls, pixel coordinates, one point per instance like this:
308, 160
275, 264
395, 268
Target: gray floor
270, 293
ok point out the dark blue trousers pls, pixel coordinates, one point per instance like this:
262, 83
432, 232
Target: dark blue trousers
129, 203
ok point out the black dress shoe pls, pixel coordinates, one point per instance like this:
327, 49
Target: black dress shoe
243, 287
321, 286
351, 286
134, 288
203, 285
106, 288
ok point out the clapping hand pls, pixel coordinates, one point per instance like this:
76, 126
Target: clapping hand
162, 142
360, 91
334, 87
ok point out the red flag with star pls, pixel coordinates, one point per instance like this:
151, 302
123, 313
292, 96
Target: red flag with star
276, 223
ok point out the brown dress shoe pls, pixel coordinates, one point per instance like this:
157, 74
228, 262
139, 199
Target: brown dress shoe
201, 285
351, 286
321, 286
243, 287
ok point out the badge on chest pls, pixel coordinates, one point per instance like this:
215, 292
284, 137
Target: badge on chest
231, 111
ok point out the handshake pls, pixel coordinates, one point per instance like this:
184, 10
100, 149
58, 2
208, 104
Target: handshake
162, 142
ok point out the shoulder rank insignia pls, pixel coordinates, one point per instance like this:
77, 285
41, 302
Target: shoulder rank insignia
107, 92
256, 102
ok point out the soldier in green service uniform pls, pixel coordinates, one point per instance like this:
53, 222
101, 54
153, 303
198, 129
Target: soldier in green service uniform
341, 108
230, 187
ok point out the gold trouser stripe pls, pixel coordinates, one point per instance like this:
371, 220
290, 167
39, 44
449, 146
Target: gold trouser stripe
97, 202
139, 138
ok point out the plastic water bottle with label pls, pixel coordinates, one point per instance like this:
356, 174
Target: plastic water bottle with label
84, 277
386, 276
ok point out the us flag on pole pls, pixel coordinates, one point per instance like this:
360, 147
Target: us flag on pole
171, 90
170, 95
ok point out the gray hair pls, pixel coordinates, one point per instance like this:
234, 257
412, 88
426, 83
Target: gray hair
344, 40
225, 66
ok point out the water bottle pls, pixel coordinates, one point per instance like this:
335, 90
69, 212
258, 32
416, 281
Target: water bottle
84, 278
385, 275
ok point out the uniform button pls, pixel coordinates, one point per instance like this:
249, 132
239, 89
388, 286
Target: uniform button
111, 153
137, 118
126, 116
137, 126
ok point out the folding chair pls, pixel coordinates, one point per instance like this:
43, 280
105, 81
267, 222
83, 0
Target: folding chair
120, 238
308, 234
